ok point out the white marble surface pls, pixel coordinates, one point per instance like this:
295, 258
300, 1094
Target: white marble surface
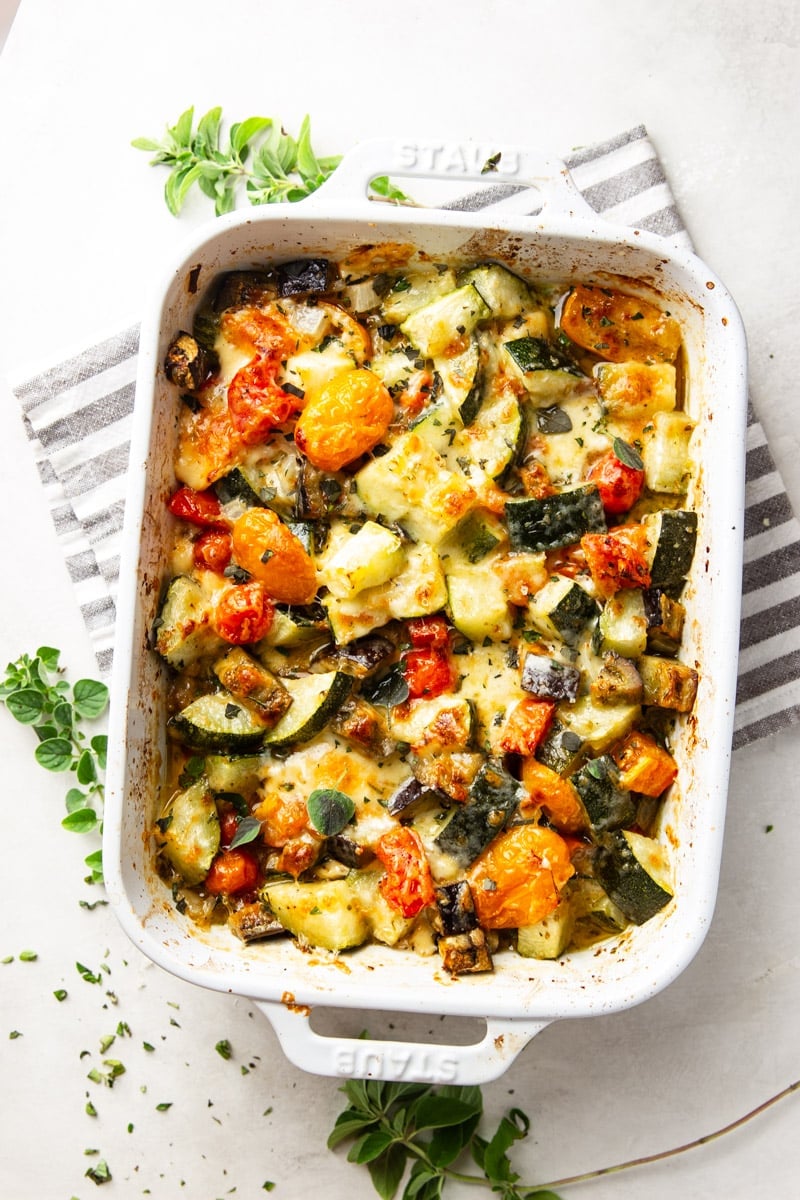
82, 229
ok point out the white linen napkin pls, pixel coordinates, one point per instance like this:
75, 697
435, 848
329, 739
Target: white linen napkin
78, 416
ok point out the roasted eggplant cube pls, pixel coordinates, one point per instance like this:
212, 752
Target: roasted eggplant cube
345, 850
455, 911
187, 364
607, 805
305, 275
248, 680
466, 953
665, 618
550, 679
617, 681
667, 684
252, 922
361, 723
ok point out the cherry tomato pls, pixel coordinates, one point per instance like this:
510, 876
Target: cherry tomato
233, 871
244, 613
407, 884
256, 403
272, 554
428, 672
345, 419
518, 878
228, 824
430, 632
213, 550
617, 559
619, 485
526, 726
198, 508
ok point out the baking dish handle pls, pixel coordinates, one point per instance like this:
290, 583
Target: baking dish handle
512, 177
365, 1058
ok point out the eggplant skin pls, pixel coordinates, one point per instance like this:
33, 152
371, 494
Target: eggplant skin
305, 275
187, 364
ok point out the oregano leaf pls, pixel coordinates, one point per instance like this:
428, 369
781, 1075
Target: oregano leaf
54, 754
25, 705
627, 454
247, 830
90, 698
329, 810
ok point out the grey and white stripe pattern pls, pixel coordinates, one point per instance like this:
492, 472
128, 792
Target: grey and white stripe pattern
78, 415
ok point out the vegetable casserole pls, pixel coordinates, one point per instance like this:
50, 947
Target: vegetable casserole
423, 612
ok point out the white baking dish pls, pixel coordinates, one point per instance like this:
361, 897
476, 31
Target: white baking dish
564, 241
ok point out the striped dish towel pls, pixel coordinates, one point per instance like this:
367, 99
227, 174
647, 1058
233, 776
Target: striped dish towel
78, 413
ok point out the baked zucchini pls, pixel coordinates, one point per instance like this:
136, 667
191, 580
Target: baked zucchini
549, 937
622, 627
634, 871
562, 609
493, 797
672, 537
477, 602
443, 722
315, 699
506, 294
327, 913
365, 559
665, 452
219, 722
550, 522
548, 375
234, 773
445, 320
606, 803
189, 832
246, 679
182, 632
665, 618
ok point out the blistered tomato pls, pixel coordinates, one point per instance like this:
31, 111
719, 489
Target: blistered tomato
213, 550
406, 884
346, 418
198, 508
518, 878
244, 613
428, 672
233, 871
619, 485
256, 403
271, 553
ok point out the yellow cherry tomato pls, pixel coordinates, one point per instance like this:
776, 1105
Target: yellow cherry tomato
271, 553
346, 418
518, 878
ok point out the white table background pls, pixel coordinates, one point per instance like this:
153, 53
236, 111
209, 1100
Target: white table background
82, 230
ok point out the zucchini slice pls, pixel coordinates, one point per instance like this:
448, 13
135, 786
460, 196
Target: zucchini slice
665, 618
606, 803
672, 536
182, 633
548, 375
315, 699
506, 294
599, 725
414, 289
493, 796
239, 773
562, 609
493, 441
622, 627
190, 833
363, 560
219, 722
634, 872
461, 377
665, 452
478, 605
549, 937
443, 722
445, 320
550, 522
562, 749
326, 913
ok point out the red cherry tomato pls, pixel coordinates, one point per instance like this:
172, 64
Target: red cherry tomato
213, 550
429, 632
198, 508
617, 559
407, 884
619, 485
233, 871
428, 672
255, 401
228, 824
244, 613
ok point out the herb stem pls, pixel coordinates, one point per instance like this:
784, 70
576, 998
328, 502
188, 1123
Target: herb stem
661, 1155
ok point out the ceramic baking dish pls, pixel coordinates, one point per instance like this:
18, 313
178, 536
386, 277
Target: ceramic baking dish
563, 240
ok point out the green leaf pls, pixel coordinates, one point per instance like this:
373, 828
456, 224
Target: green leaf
145, 144
90, 698
381, 185
387, 1171
63, 714
512, 1128
423, 1183
85, 771
207, 136
54, 754
437, 1111
307, 163
25, 705
94, 862
247, 830
75, 799
100, 746
244, 132
83, 820
627, 454
370, 1146
181, 131
329, 810
447, 1143
349, 1124
49, 657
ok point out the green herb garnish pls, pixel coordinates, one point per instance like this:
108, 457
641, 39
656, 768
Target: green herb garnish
36, 694
329, 810
627, 454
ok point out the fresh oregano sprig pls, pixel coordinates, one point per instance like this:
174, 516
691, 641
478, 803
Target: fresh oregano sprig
259, 157
36, 693
397, 1126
